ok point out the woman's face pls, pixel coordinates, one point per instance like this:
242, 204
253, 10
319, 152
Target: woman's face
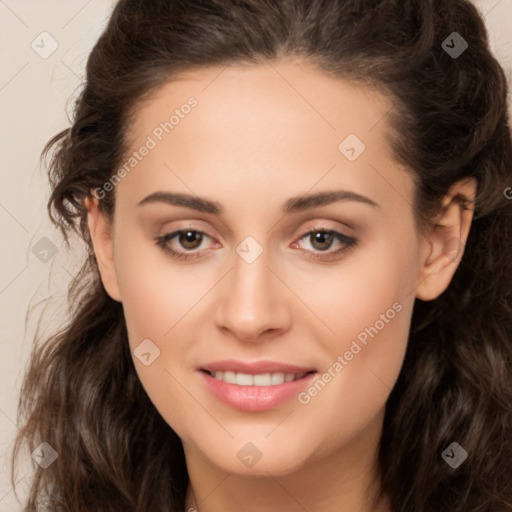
298, 254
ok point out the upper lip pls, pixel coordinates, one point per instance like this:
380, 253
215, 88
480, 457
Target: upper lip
255, 368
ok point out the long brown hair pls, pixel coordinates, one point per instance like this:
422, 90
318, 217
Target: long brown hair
81, 393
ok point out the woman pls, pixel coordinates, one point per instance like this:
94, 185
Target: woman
299, 265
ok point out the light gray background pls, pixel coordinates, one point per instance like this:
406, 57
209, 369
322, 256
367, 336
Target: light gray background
35, 95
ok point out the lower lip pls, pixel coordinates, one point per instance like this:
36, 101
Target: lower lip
255, 398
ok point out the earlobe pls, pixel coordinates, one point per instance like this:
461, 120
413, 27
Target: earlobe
101, 236
444, 244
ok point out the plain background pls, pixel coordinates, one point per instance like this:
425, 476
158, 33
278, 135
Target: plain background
43, 49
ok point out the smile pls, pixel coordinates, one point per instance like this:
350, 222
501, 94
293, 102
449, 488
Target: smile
261, 379
255, 387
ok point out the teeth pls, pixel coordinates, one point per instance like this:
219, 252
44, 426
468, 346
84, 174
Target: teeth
262, 379
244, 379
277, 378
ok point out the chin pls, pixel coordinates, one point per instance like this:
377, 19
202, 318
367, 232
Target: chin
255, 459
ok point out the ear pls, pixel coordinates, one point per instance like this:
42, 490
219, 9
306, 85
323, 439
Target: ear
444, 243
101, 231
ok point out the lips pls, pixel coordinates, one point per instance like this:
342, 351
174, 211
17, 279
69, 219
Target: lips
257, 386
260, 379
256, 368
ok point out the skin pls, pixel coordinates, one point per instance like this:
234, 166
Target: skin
260, 135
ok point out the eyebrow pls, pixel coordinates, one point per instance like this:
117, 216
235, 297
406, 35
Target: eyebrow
307, 201
292, 205
194, 202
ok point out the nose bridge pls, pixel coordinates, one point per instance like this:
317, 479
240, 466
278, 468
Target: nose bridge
252, 302
251, 280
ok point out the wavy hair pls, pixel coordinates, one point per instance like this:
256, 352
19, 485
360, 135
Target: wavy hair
81, 393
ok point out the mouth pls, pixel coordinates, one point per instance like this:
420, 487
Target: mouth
259, 379
255, 387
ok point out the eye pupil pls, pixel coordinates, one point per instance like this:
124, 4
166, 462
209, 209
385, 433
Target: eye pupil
324, 238
190, 239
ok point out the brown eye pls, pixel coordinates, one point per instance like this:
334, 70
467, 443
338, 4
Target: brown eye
321, 240
190, 239
325, 244
183, 244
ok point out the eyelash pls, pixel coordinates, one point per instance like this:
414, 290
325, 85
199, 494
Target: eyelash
349, 243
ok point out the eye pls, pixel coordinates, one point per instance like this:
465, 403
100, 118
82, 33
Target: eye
188, 243
188, 239
322, 240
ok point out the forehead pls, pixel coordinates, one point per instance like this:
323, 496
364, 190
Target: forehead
274, 96
271, 127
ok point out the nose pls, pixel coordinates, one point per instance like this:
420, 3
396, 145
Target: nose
253, 305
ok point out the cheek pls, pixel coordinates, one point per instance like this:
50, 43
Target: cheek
361, 372
158, 301
366, 305
353, 295
156, 293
